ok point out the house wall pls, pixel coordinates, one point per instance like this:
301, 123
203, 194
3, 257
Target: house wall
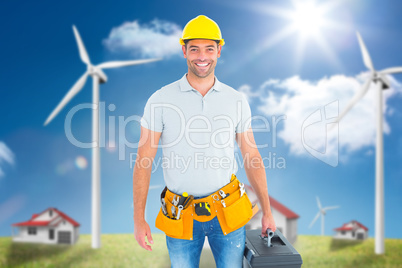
348, 234
365, 233
280, 221
291, 230
77, 234
287, 227
42, 233
41, 236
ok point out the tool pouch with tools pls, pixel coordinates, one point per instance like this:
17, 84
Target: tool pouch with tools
181, 228
232, 207
168, 223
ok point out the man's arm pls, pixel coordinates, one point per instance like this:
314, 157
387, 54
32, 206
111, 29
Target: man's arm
255, 172
147, 148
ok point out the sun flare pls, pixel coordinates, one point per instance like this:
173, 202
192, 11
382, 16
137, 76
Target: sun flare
308, 19
307, 23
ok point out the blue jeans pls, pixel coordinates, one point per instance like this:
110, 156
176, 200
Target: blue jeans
227, 249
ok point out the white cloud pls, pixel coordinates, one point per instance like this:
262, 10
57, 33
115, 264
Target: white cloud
300, 99
156, 39
6, 155
249, 93
246, 90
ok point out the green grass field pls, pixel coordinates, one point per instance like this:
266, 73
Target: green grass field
317, 251
121, 250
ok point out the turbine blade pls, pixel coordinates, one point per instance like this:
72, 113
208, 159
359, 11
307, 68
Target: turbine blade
318, 202
366, 56
315, 219
70, 94
117, 64
355, 99
81, 48
329, 208
391, 70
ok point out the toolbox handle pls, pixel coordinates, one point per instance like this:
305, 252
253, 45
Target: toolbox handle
267, 238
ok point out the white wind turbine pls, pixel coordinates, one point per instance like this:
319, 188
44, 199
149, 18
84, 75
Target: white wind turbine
381, 82
98, 76
322, 212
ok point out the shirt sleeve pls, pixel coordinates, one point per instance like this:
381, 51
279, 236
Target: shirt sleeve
243, 115
152, 117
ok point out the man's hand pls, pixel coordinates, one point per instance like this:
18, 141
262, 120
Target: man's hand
267, 222
142, 230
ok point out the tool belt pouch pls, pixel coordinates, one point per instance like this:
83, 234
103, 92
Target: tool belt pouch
238, 214
181, 228
171, 227
235, 210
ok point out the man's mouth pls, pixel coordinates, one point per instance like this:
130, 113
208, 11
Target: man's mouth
202, 64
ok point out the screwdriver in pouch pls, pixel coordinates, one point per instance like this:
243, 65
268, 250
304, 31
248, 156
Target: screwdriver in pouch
188, 201
182, 198
180, 207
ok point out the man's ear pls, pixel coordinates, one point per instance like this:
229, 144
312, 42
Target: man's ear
219, 51
184, 50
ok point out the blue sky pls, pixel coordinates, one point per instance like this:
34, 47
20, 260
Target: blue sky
282, 72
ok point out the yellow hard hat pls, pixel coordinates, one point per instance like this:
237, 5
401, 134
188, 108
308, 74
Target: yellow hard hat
202, 27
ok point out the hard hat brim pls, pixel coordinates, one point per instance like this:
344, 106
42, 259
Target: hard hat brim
221, 41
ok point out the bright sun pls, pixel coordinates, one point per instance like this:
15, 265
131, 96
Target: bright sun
307, 19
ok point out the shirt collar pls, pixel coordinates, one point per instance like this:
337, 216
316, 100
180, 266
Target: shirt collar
185, 85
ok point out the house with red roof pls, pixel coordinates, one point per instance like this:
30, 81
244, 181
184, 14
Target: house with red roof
285, 219
50, 226
353, 230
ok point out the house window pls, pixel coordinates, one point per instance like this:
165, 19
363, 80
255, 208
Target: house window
353, 234
343, 232
50, 213
32, 230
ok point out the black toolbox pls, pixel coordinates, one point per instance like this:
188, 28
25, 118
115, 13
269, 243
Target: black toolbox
281, 253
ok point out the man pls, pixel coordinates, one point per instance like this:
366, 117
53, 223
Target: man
197, 119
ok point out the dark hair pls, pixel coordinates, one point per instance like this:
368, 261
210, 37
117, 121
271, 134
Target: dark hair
186, 41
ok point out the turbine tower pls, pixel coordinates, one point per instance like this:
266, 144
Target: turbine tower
322, 212
382, 83
98, 76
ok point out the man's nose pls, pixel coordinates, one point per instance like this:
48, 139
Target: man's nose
202, 55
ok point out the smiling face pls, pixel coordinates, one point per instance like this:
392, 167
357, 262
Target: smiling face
201, 55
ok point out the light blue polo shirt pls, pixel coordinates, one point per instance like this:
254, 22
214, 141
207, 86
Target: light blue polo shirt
198, 134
